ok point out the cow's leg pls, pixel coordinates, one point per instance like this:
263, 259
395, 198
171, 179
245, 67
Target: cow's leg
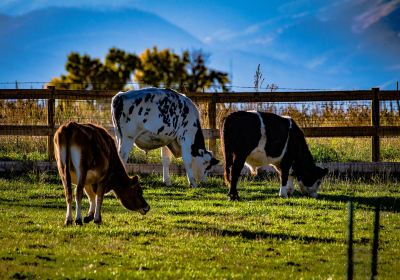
290, 185
99, 203
166, 159
237, 167
92, 202
187, 162
78, 198
125, 147
68, 199
62, 169
285, 188
227, 167
80, 182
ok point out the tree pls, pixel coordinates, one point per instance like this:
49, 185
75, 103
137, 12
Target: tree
164, 68
87, 73
161, 68
199, 77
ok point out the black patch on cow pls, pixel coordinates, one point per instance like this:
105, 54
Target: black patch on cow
118, 105
144, 120
185, 112
128, 119
164, 106
137, 101
131, 109
140, 111
195, 124
198, 142
123, 114
147, 111
160, 130
147, 98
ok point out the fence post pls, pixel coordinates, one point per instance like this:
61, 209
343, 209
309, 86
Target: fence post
212, 122
375, 120
350, 242
50, 123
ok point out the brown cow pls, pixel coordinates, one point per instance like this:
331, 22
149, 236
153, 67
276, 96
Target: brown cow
87, 156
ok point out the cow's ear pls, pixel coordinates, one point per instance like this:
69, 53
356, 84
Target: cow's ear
214, 161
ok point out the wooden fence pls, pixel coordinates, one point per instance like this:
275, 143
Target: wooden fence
375, 130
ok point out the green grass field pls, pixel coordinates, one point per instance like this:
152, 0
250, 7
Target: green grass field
197, 233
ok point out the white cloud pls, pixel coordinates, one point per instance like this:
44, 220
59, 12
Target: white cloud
314, 63
374, 14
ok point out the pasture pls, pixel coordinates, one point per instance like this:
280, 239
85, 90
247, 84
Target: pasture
197, 233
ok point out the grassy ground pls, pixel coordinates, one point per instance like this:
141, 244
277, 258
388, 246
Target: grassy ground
197, 233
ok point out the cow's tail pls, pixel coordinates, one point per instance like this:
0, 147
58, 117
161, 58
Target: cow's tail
64, 159
116, 112
226, 151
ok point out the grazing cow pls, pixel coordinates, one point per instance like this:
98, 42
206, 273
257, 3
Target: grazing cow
87, 156
258, 139
152, 118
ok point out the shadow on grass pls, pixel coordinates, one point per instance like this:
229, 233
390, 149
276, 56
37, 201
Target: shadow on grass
256, 235
391, 204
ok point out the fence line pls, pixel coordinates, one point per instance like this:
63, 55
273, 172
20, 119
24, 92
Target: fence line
374, 96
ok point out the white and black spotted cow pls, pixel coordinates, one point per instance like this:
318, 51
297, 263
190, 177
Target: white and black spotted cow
259, 139
152, 118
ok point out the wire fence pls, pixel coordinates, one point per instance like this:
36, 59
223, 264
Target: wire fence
25, 114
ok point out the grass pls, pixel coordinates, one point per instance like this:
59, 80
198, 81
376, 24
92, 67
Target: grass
197, 233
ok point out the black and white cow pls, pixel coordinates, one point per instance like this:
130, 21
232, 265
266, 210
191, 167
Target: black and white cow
152, 118
259, 139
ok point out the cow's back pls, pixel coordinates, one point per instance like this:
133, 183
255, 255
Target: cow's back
93, 144
154, 117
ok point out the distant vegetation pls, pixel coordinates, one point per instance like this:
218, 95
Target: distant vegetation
160, 68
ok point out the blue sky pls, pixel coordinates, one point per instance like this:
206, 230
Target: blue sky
300, 44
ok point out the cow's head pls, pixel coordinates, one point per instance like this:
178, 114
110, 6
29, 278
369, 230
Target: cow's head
131, 196
310, 182
202, 163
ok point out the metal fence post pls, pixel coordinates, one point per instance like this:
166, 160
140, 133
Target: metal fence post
50, 123
375, 121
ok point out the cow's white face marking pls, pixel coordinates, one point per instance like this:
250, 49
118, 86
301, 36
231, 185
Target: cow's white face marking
200, 165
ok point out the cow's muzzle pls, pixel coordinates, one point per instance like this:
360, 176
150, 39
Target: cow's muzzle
144, 210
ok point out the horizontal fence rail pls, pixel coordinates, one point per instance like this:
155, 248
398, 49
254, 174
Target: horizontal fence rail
373, 97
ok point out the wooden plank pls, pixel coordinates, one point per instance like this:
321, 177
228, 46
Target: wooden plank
220, 97
26, 130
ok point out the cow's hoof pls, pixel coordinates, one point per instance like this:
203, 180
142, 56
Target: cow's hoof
97, 222
78, 222
233, 197
88, 219
68, 222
